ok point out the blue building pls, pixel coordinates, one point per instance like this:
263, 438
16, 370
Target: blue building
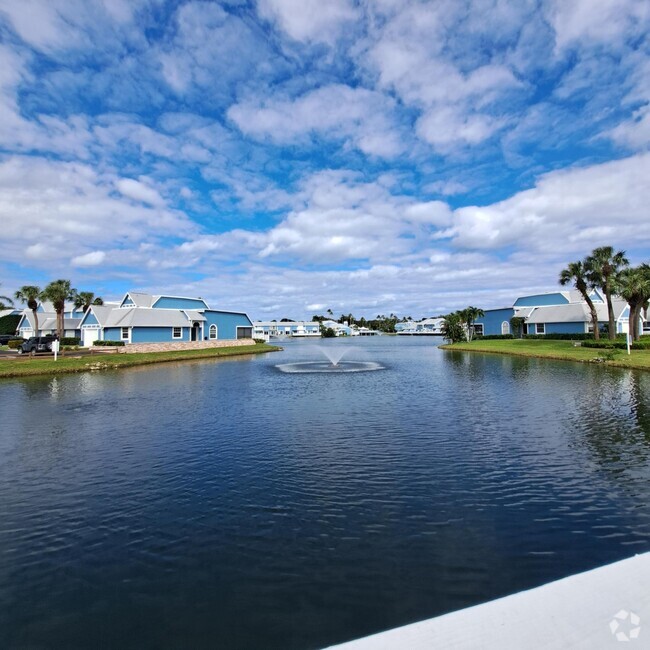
143, 318
47, 321
560, 312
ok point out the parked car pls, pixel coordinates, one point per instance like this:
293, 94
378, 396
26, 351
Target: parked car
37, 344
5, 338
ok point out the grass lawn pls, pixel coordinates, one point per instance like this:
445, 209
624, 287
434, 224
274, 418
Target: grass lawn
14, 367
564, 350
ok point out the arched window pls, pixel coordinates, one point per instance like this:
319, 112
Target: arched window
213, 331
505, 327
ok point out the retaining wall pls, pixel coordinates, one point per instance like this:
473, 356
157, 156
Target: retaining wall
177, 346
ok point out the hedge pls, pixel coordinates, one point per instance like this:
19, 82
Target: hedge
70, 340
14, 344
491, 337
617, 345
116, 343
9, 324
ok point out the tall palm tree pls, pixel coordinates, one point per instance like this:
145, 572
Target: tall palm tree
603, 265
6, 302
30, 295
576, 273
634, 286
84, 299
58, 292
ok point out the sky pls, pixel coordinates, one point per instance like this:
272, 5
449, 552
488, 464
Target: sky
283, 157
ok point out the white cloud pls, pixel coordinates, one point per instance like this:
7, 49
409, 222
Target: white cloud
310, 20
363, 117
94, 258
139, 191
568, 210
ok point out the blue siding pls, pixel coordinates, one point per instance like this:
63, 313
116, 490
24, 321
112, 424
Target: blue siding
493, 319
541, 300
112, 334
226, 323
157, 335
89, 319
565, 328
166, 302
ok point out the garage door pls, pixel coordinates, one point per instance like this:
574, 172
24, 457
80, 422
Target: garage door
89, 336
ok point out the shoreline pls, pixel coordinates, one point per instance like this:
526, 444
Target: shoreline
555, 350
46, 366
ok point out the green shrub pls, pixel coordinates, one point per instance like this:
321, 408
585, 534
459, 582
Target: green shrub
14, 344
492, 337
9, 324
111, 343
70, 340
259, 341
328, 333
616, 345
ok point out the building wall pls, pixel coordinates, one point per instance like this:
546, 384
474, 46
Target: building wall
494, 318
226, 323
566, 328
541, 300
157, 335
90, 319
167, 302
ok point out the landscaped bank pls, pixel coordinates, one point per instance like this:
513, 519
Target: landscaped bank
564, 350
70, 364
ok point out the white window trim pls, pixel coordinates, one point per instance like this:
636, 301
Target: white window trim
505, 328
476, 325
537, 328
215, 329
128, 334
180, 336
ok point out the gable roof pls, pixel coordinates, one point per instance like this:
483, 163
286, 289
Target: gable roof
138, 299
145, 317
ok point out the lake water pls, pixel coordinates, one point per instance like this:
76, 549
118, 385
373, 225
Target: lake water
230, 505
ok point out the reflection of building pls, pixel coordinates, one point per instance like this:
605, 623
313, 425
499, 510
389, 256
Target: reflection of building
143, 318
426, 327
562, 312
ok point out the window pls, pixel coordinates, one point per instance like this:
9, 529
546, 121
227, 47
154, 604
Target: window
177, 332
213, 331
244, 332
540, 328
125, 333
478, 329
505, 327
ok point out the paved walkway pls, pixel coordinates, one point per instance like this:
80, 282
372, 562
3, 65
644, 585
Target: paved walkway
606, 608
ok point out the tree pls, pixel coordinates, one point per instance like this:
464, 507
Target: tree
6, 302
517, 324
453, 327
84, 299
58, 292
633, 285
467, 317
578, 274
603, 265
30, 294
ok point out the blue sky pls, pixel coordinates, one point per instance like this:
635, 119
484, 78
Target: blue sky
286, 156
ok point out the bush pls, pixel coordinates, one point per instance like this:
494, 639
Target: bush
9, 324
490, 337
259, 341
14, 344
111, 343
70, 340
328, 333
578, 336
616, 345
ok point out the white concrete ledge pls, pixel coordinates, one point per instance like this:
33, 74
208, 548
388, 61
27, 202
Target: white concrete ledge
608, 607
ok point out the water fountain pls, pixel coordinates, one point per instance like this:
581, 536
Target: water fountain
334, 364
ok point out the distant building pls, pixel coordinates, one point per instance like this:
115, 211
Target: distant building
274, 329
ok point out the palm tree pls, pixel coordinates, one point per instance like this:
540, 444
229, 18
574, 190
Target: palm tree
634, 286
468, 316
58, 292
578, 274
453, 327
84, 299
603, 265
6, 302
30, 295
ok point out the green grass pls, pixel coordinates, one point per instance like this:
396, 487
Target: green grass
563, 350
14, 367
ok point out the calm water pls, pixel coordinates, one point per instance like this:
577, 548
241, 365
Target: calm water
230, 505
